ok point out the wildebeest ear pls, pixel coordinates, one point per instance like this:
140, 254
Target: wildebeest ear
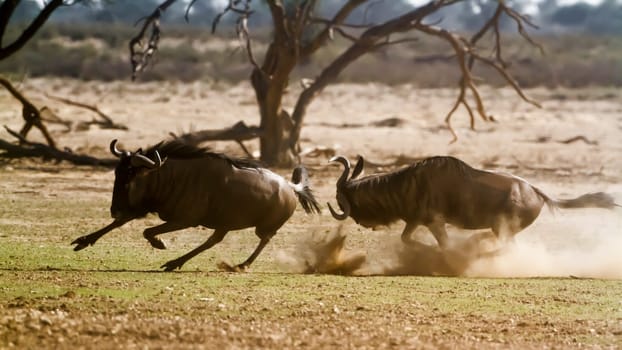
358, 168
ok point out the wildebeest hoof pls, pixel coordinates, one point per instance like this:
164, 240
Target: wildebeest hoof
172, 265
81, 243
157, 243
231, 268
80, 247
239, 268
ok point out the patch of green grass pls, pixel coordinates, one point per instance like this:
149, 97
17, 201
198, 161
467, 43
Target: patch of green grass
554, 299
42, 280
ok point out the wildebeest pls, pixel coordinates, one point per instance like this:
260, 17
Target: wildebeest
189, 186
445, 190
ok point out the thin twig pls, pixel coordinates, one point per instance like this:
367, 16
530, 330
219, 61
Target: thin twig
107, 122
141, 58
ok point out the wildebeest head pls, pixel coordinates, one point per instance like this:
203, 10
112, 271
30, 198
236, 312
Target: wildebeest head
342, 184
131, 166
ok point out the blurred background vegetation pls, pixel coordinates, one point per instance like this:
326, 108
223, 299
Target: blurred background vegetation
582, 41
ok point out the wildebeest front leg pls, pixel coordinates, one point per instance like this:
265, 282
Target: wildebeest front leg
90, 239
438, 230
151, 233
406, 234
216, 237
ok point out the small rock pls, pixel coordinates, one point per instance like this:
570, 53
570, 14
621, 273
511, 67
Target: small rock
45, 320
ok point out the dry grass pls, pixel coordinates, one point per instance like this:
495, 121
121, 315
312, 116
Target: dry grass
99, 52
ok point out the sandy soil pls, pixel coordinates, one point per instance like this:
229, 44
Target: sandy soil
524, 140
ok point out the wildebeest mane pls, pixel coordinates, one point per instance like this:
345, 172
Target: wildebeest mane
450, 164
385, 179
176, 149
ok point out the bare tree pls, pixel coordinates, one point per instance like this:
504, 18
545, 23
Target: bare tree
296, 37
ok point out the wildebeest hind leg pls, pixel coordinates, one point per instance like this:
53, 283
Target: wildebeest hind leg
216, 237
481, 244
151, 233
262, 243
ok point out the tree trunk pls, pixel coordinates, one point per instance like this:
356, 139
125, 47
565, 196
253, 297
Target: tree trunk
270, 82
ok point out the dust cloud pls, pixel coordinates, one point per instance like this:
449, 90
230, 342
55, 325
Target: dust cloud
325, 254
585, 245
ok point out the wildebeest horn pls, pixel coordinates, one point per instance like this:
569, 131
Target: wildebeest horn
358, 168
141, 160
343, 203
341, 199
113, 149
346, 169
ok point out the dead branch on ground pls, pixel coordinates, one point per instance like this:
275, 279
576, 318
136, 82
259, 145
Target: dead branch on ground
543, 139
28, 149
30, 113
578, 138
238, 132
48, 116
105, 123
392, 122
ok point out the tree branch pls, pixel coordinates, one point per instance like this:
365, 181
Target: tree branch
6, 11
325, 34
464, 49
188, 8
363, 45
140, 59
344, 34
278, 19
29, 32
241, 27
520, 19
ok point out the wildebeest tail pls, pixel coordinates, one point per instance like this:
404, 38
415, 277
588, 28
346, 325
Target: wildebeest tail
588, 200
300, 183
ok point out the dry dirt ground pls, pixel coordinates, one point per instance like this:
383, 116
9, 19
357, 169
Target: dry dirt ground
568, 147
